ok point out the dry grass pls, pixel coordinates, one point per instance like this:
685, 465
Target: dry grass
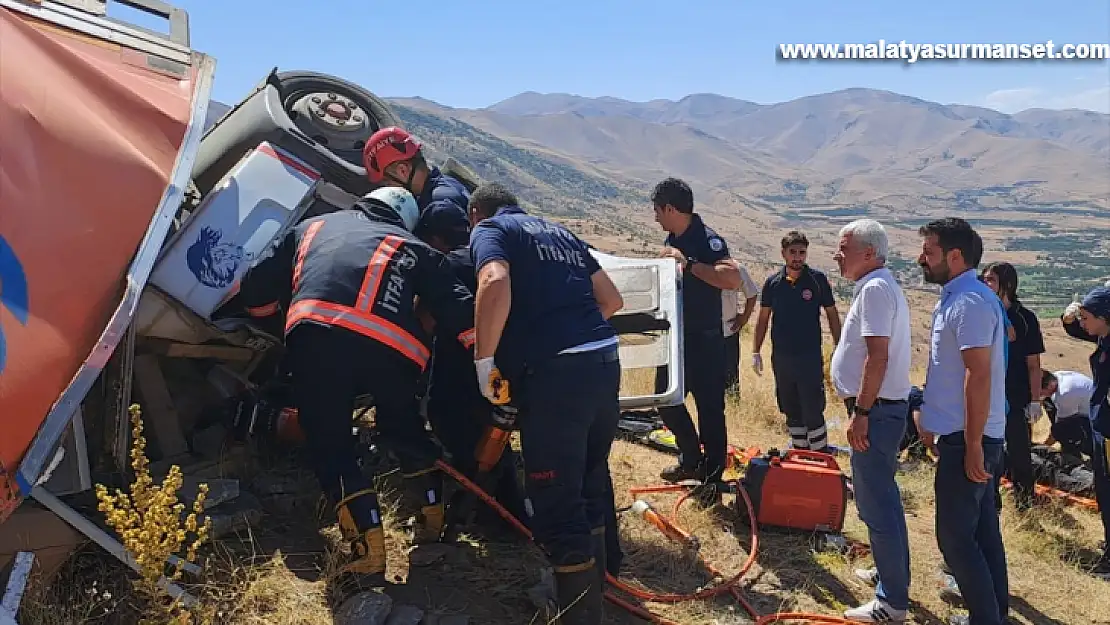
250, 581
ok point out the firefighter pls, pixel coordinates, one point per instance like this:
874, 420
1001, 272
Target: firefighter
394, 157
457, 410
345, 283
541, 313
706, 268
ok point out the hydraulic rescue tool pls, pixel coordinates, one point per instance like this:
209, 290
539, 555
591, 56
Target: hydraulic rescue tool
487, 455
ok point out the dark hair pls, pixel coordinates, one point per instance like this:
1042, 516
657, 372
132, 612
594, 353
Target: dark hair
1007, 279
1047, 377
954, 233
675, 192
794, 238
490, 196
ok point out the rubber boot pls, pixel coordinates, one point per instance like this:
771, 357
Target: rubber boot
579, 592
431, 519
601, 550
360, 521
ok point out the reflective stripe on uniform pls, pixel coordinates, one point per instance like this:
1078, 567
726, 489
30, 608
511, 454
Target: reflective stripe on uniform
263, 311
379, 260
467, 338
364, 323
302, 251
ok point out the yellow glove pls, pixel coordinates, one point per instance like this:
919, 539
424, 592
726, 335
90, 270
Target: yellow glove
494, 387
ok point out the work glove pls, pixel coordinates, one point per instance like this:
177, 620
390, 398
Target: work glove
494, 387
1033, 412
757, 363
1071, 312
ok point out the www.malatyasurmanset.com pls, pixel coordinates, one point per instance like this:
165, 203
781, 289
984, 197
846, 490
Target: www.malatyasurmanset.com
914, 52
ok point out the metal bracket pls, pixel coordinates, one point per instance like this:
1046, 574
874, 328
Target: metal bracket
86, 18
17, 583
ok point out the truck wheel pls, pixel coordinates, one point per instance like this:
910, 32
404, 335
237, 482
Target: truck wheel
333, 112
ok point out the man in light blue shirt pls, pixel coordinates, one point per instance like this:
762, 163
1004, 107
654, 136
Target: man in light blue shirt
965, 407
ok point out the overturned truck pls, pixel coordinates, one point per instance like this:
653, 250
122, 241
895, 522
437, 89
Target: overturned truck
126, 220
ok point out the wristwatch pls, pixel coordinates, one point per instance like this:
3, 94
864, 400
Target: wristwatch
861, 411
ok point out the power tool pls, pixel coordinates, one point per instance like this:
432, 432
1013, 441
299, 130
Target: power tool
487, 454
799, 489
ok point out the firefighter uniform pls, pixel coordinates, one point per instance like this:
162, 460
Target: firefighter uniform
443, 210
560, 357
704, 362
457, 411
346, 283
1097, 303
796, 356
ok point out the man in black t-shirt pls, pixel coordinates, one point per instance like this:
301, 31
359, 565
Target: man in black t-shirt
1023, 381
706, 268
795, 296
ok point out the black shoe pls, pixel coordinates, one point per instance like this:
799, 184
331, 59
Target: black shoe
680, 473
1102, 568
580, 596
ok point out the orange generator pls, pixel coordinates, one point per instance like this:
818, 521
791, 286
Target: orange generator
800, 489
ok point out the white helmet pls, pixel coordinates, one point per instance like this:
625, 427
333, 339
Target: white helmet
401, 201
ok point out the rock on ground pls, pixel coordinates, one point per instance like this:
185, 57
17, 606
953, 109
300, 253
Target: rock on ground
365, 608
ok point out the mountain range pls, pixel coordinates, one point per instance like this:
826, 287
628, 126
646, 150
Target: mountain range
818, 160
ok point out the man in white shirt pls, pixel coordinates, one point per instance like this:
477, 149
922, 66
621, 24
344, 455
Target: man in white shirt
1068, 395
871, 372
733, 320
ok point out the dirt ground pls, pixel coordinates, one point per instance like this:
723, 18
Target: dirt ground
278, 572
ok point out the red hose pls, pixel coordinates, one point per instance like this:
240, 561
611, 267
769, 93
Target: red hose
732, 586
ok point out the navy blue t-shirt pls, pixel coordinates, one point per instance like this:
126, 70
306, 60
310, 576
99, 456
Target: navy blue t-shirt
701, 301
443, 207
797, 304
553, 306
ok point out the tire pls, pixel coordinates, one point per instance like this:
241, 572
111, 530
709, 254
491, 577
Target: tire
293, 85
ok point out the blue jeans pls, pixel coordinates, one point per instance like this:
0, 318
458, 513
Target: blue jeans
968, 531
880, 502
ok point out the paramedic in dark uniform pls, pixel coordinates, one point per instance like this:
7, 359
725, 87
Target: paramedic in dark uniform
541, 324
1089, 320
457, 411
706, 269
394, 157
795, 297
345, 283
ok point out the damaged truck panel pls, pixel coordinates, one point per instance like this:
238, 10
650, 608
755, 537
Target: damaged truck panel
99, 125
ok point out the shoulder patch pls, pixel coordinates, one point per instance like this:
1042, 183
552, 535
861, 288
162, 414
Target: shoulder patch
716, 244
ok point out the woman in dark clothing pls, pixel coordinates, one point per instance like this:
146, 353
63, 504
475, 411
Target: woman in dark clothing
1089, 320
1023, 380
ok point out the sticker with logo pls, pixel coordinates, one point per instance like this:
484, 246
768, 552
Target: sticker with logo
716, 244
213, 262
807, 294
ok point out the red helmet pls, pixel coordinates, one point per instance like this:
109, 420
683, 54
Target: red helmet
385, 147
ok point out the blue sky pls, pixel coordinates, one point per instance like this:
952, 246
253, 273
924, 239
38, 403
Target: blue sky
473, 54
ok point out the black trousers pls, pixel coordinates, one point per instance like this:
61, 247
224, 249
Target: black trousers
459, 427
732, 362
800, 391
1074, 434
1018, 463
704, 362
568, 419
332, 366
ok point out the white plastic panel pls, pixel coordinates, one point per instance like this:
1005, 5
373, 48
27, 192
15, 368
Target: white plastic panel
234, 227
649, 287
